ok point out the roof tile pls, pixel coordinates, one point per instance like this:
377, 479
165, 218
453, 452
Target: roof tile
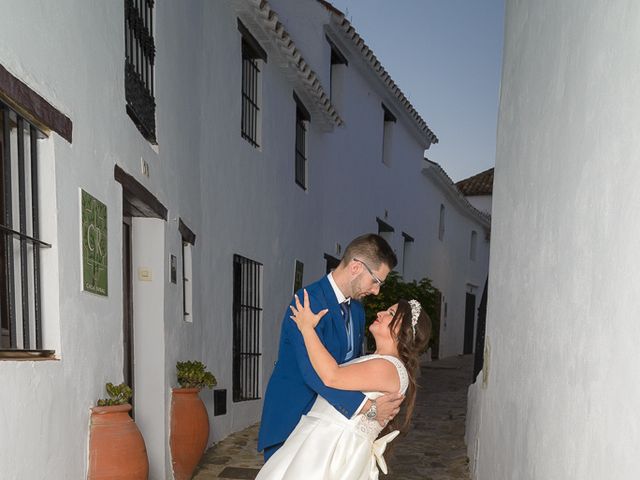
479, 184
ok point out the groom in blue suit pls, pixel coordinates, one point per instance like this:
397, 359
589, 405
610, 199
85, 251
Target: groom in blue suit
294, 384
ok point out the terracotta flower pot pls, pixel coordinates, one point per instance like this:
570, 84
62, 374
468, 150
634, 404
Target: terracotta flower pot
189, 431
116, 446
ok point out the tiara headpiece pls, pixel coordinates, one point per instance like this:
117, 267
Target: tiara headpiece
415, 313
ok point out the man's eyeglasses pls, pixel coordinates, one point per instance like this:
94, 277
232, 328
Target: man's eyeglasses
373, 275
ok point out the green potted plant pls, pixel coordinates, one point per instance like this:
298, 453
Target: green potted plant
116, 447
189, 419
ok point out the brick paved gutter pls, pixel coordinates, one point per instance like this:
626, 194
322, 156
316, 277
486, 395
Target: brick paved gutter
433, 450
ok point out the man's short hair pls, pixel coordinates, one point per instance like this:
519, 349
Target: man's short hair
372, 249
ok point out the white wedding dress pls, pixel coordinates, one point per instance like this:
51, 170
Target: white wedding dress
325, 445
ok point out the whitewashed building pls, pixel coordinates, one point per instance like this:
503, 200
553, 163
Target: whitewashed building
186, 160
478, 189
558, 397
457, 259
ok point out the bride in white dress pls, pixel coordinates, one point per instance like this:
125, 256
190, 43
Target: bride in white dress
327, 446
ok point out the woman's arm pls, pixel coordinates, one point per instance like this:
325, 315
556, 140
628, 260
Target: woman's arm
372, 375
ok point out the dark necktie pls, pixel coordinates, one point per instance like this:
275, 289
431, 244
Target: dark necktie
346, 313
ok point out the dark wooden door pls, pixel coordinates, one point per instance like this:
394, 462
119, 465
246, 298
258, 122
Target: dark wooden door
478, 362
5, 341
127, 306
469, 320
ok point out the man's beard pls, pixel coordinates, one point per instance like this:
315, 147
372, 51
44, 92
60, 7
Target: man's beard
357, 292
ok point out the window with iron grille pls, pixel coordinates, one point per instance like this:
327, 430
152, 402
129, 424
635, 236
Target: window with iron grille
140, 52
302, 120
406, 250
247, 319
441, 223
331, 263
188, 241
20, 243
336, 74
385, 230
387, 134
473, 245
252, 56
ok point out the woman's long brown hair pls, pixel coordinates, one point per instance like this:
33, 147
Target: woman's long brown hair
409, 351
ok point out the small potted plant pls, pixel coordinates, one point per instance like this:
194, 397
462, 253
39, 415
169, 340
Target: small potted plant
189, 418
116, 447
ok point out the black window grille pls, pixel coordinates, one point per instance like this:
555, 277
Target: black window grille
140, 52
302, 119
20, 289
250, 108
252, 54
247, 317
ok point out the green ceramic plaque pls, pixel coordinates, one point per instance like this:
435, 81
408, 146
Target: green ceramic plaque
94, 245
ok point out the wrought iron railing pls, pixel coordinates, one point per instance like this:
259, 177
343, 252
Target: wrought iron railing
140, 52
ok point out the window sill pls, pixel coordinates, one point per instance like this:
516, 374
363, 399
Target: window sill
27, 355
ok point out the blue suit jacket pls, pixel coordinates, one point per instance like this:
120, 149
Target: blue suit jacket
294, 384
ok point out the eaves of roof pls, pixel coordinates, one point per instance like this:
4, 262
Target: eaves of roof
357, 42
437, 173
265, 26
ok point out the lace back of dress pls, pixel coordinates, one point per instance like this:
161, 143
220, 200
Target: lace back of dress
371, 428
402, 371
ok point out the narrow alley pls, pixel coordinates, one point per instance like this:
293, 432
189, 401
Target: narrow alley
433, 450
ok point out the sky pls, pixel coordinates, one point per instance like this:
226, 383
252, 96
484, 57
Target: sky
446, 57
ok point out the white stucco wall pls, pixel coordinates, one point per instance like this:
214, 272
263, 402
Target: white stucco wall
237, 199
481, 202
151, 399
448, 262
562, 395
75, 61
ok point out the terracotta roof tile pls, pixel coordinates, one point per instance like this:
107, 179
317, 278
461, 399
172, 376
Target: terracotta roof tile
455, 193
479, 184
271, 24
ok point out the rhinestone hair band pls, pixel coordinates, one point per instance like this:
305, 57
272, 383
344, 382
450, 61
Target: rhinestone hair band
415, 313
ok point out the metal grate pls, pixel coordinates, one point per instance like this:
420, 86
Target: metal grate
250, 108
247, 317
20, 292
140, 52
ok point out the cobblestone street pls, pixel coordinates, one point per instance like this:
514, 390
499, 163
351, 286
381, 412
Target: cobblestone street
433, 450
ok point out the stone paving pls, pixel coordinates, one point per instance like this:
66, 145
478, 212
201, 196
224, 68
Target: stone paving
434, 449
235, 457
